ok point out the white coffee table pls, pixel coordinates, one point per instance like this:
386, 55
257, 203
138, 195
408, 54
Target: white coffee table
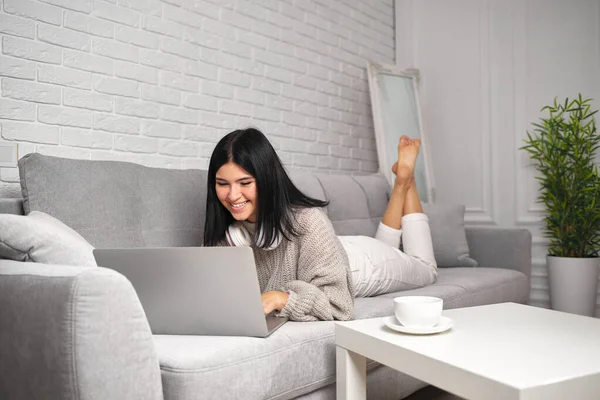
501, 351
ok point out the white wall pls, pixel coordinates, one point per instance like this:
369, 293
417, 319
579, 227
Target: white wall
159, 82
488, 67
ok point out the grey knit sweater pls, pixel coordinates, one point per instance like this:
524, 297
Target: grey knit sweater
312, 267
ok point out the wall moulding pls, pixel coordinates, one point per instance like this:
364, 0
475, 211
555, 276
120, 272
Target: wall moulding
479, 217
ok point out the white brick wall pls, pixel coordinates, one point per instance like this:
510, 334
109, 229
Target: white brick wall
159, 82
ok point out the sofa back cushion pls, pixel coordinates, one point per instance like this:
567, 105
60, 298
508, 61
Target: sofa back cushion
356, 203
120, 204
117, 204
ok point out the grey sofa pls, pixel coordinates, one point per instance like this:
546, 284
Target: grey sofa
80, 333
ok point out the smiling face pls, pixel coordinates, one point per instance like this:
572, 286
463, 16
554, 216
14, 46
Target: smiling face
236, 190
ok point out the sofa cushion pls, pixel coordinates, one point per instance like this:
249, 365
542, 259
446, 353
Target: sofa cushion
448, 235
221, 367
381, 306
356, 204
276, 367
121, 204
308, 184
466, 287
117, 204
486, 286
40, 238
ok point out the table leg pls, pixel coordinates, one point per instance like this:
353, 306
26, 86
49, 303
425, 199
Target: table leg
351, 371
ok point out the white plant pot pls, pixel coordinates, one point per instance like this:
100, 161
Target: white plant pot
573, 284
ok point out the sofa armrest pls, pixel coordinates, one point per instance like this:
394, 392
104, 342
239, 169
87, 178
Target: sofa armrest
508, 248
73, 333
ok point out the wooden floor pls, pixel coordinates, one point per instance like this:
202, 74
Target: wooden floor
432, 393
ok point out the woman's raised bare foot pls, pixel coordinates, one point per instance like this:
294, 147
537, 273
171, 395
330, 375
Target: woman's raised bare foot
404, 168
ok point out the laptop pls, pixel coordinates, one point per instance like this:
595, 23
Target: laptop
195, 290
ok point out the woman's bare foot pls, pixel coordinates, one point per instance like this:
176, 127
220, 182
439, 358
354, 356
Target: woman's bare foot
404, 168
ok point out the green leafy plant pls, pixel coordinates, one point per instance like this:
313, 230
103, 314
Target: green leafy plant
563, 148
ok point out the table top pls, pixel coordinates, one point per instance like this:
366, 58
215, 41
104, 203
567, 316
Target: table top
511, 344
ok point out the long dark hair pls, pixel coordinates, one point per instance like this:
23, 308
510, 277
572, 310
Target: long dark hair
277, 195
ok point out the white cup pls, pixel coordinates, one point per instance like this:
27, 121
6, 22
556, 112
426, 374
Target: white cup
418, 311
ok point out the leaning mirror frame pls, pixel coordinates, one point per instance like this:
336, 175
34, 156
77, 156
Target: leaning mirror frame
406, 119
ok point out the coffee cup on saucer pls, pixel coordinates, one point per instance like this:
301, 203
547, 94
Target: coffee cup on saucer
418, 311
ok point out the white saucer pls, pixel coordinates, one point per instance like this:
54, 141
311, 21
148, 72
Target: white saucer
442, 326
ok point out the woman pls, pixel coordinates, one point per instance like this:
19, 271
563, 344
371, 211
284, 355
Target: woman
303, 269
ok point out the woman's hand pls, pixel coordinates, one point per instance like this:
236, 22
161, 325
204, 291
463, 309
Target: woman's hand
274, 300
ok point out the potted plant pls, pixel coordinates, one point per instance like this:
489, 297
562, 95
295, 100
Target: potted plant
562, 149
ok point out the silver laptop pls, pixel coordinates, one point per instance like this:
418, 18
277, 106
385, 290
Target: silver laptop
195, 290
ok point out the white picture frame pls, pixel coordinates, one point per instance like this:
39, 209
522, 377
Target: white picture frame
392, 88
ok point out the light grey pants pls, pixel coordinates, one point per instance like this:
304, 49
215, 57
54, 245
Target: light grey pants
377, 264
